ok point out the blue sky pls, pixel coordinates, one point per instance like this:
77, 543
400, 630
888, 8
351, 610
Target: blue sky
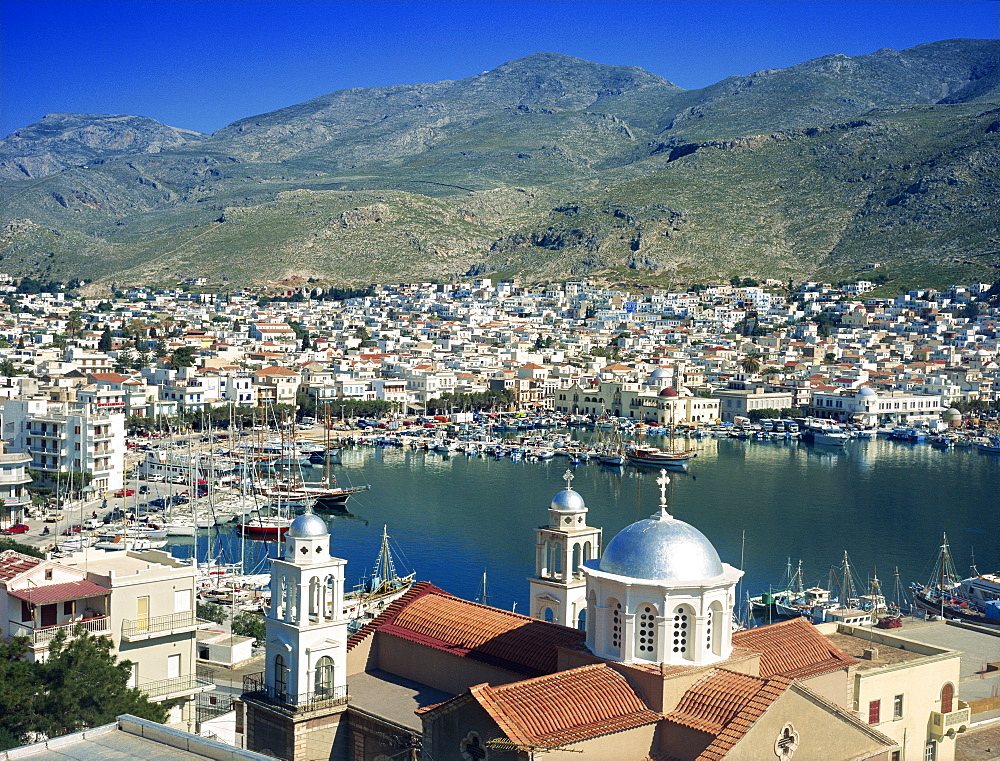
201, 64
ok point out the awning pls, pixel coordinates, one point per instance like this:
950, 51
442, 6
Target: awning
48, 593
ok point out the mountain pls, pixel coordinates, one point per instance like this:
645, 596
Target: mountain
61, 141
547, 166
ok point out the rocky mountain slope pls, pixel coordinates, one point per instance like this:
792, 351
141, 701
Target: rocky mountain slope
548, 166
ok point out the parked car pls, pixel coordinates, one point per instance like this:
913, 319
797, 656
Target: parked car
54, 517
125, 492
17, 528
154, 477
76, 528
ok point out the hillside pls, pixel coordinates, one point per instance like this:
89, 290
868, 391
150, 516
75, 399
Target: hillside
547, 166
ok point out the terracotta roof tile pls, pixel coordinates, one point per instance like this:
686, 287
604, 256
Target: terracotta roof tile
70, 590
749, 713
715, 700
432, 617
565, 707
792, 648
13, 563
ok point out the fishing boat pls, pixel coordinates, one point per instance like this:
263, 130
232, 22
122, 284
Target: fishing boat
658, 458
270, 527
944, 594
380, 588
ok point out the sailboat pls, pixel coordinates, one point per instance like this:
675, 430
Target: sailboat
943, 596
654, 457
382, 587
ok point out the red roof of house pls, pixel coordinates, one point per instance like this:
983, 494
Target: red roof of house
430, 616
564, 707
792, 648
716, 700
13, 564
70, 590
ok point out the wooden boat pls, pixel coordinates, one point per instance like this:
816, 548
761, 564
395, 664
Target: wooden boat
658, 458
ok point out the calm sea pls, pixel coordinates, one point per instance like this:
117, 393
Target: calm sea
762, 504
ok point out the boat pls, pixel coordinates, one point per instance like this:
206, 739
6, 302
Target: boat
992, 446
944, 594
271, 527
658, 458
124, 542
824, 432
382, 587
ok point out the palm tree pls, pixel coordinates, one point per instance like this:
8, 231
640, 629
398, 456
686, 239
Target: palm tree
751, 363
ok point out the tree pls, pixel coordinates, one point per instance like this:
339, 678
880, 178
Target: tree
211, 611
74, 323
247, 624
86, 686
183, 356
124, 361
20, 695
8, 368
81, 685
106, 342
751, 363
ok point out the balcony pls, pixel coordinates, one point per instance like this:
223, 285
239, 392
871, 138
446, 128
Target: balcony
41, 636
949, 724
161, 626
255, 688
171, 689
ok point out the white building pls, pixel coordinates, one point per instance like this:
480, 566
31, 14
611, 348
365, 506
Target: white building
62, 437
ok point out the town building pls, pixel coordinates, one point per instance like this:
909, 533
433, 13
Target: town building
65, 437
143, 602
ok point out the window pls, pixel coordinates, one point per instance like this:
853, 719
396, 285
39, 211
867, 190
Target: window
173, 666
897, 707
681, 631
874, 709
68, 608
472, 748
645, 632
616, 626
896, 755
280, 677
930, 751
324, 677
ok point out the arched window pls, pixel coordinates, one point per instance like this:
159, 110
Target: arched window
683, 619
323, 679
645, 631
713, 630
547, 614
472, 747
280, 677
581, 620
577, 559
556, 566
617, 625
329, 586
947, 697
314, 599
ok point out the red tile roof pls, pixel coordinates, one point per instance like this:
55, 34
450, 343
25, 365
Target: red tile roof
715, 700
749, 713
792, 648
432, 617
564, 707
13, 564
70, 590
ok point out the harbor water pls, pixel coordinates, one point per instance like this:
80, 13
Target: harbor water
454, 518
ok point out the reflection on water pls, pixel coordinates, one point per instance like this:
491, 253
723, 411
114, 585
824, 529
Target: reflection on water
884, 502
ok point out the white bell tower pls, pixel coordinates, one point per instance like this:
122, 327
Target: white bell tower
558, 589
306, 648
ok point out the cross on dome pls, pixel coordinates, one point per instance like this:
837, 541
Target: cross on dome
568, 478
663, 479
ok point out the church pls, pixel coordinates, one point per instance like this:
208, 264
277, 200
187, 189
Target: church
630, 654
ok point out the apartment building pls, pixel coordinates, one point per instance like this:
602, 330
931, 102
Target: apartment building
62, 437
143, 602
